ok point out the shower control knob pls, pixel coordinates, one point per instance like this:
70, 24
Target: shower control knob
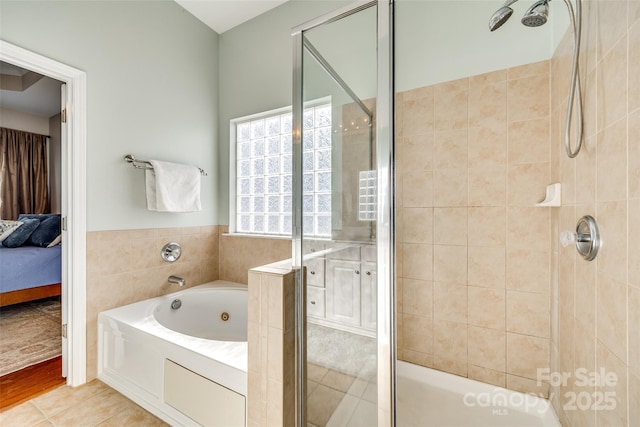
567, 238
586, 238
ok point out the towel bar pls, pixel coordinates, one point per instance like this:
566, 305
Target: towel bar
145, 164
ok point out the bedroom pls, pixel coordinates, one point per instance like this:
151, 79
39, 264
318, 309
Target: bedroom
30, 251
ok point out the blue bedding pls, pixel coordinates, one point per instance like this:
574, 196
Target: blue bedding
29, 267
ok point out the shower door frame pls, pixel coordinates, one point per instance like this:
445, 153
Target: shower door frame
385, 223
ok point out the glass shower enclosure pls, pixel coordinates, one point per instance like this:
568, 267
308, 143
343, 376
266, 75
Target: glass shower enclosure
343, 217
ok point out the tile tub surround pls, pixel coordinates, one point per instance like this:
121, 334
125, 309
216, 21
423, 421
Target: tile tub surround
125, 266
271, 353
239, 253
473, 157
135, 271
93, 404
596, 305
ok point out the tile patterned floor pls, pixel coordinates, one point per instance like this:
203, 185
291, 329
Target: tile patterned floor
93, 404
336, 399
341, 376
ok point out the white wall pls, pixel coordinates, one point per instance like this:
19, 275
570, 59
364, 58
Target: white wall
18, 120
152, 78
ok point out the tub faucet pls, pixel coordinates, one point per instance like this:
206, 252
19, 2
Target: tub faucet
177, 280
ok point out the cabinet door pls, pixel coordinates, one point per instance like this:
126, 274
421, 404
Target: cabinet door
315, 302
315, 272
342, 283
369, 299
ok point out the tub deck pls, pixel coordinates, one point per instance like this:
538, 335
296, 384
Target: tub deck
133, 347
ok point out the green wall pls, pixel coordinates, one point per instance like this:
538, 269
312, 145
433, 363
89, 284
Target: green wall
256, 72
152, 75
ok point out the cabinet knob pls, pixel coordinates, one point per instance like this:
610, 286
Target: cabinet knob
368, 273
357, 271
313, 302
312, 272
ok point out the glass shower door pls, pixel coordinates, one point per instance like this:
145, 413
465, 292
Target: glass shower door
343, 189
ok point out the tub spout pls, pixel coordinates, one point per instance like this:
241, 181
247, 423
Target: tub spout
177, 280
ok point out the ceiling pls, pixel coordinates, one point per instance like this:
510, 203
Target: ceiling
222, 15
42, 98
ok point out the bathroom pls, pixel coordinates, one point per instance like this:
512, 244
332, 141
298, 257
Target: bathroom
544, 295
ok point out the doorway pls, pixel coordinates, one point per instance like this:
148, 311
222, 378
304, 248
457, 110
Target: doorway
30, 272
73, 203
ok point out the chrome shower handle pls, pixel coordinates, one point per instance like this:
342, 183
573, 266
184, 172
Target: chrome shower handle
586, 237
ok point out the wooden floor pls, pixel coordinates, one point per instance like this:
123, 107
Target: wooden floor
20, 386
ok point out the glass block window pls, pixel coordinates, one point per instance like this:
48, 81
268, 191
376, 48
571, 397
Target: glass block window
367, 196
264, 167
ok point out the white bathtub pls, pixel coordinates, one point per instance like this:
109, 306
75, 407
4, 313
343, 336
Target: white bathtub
431, 398
135, 342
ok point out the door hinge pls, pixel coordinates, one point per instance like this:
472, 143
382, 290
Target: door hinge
63, 115
64, 330
64, 223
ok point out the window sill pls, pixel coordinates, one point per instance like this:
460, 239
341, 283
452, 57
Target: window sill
257, 236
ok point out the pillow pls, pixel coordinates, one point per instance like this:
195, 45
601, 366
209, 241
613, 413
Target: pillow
7, 227
22, 233
40, 217
46, 232
56, 241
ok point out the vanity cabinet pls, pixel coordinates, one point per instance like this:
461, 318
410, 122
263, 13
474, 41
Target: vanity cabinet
342, 291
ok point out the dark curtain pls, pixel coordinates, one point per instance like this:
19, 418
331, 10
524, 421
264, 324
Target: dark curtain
24, 182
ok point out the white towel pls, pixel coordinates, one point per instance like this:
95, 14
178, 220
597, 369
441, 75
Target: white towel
172, 187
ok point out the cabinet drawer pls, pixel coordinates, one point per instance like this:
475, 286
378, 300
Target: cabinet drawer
315, 301
315, 272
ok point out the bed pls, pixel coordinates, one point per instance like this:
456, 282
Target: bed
28, 273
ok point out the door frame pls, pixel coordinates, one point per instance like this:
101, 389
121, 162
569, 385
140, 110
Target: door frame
74, 274
385, 223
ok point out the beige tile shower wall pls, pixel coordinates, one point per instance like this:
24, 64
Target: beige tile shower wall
596, 305
125, 267
238, 254
473, 252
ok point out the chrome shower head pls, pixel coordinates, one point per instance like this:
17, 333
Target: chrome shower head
500, 17
537, 14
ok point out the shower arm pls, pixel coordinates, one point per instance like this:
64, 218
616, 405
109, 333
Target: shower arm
575, 82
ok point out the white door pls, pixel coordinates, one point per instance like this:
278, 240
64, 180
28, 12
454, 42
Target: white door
65, 241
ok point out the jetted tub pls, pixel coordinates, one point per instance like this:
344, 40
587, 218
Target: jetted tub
172, 353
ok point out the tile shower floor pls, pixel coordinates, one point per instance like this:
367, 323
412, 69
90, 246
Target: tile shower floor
90, 405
